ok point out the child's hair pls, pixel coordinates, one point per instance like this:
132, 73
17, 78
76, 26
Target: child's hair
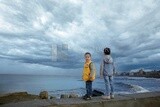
87, 53
107, 51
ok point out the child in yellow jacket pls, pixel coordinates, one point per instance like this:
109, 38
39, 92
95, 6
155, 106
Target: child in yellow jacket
89, 72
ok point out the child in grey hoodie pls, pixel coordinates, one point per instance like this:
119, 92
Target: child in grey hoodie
107, 70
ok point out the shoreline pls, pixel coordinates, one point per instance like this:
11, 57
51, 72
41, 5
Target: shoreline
69, 93
148, 99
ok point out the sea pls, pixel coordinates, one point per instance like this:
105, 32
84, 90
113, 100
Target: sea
57, 85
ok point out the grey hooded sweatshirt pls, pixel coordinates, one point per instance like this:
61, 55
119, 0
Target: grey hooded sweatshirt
107, 67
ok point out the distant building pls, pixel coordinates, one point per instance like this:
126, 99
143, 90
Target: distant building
124, 74
131, 73
141, 72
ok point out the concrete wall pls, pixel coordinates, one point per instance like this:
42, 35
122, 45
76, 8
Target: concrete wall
151, 99
134, 100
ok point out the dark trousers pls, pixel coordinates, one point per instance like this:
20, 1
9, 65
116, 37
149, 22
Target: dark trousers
89, 88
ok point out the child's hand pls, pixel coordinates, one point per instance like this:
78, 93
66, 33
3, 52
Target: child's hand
90, 78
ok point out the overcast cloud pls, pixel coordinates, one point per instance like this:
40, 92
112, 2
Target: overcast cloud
31, 31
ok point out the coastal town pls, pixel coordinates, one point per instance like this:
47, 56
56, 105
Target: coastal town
142, 73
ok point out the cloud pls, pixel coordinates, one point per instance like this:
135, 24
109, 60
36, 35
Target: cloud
29, 29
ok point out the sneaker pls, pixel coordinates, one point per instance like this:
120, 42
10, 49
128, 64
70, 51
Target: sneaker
112, 96
88, 98
106, 97
84, 97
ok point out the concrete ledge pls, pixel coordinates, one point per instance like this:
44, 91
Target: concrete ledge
151, 99
132, 100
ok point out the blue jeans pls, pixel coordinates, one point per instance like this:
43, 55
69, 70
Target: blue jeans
109, 85
89, 88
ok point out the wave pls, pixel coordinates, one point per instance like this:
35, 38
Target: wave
136, 78
132, 78
139, 89
132, 88
123, 92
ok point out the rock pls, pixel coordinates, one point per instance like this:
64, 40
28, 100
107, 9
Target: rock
52, 97
96, 93
64, 96
43, 95
73, 96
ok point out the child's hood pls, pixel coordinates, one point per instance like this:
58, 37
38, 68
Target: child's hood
107, 59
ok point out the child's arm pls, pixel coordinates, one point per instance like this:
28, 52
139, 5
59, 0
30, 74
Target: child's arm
92, 69
101, 68
114, 71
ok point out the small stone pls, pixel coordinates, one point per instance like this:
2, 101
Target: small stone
43, 95
52, 97
73, 96
64, 96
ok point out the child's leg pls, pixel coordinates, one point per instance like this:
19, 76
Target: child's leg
107, 85
111, 85
89, 88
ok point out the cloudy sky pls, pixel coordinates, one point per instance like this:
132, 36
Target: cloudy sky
51, 36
